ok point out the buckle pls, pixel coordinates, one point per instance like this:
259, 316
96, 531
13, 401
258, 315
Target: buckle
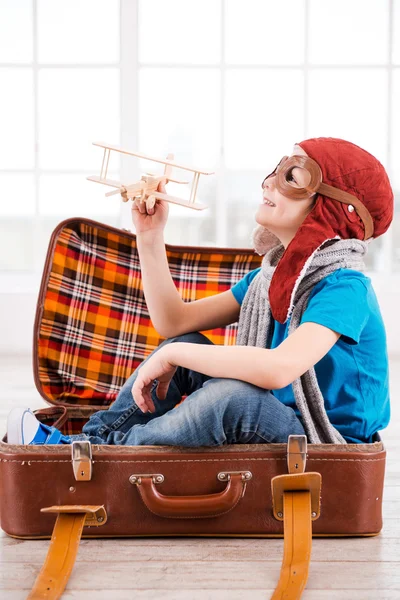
81, 452
297, 480
297, 453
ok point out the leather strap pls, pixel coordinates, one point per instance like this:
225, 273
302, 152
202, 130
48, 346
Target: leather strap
296, 546
64, 544
298, 497
61, 556
52, 412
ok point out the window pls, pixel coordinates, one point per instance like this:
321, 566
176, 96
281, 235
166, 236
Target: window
60, 82
224, 85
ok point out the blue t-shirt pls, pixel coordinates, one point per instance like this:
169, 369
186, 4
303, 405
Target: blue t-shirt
354, 375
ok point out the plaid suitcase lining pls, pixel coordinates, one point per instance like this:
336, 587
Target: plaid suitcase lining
93, 328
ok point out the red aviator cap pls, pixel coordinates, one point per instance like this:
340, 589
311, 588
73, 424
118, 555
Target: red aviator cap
362, 210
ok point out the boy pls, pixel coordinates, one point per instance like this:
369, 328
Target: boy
309, 304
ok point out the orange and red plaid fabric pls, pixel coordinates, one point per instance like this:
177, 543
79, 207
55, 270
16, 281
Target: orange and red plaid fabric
92, 326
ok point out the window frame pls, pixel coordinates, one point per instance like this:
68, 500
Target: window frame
129, 66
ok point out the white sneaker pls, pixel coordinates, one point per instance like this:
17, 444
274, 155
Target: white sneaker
24, 428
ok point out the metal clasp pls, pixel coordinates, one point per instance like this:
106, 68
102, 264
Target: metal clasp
137, 479
297, 453
226, 475
297, 480
81, 451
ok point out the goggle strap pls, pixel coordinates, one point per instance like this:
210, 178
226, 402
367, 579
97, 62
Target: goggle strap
346, 198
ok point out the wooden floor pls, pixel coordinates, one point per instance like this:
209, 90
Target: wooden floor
209, 569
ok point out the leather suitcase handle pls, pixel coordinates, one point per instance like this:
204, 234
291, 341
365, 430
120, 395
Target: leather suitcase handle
191, 507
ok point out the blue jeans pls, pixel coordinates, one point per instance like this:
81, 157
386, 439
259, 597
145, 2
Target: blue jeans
216, 411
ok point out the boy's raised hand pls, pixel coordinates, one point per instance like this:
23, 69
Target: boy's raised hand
153, 220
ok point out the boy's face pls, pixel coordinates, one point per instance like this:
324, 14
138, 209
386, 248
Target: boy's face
284, 219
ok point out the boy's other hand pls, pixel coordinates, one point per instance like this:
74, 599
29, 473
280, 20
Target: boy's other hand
157, 366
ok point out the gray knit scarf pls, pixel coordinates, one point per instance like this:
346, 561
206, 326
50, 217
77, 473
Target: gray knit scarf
255, 322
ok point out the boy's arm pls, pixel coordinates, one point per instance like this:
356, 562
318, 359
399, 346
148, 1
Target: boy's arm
302, 349
170, 315
163, 300
248, 363
270, 369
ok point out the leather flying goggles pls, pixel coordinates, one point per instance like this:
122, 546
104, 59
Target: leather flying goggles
288, 186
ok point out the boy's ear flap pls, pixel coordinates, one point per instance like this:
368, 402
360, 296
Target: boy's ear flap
263, 240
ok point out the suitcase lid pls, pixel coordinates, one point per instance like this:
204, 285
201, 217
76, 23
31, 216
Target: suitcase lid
92, 327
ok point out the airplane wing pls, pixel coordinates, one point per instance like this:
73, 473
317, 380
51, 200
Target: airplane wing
164, 162
110, 182
180, 201
136, 187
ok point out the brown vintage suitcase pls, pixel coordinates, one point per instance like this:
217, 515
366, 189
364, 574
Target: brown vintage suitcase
91, 331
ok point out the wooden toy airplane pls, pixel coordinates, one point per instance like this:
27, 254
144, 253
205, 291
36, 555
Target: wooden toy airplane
146, 188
